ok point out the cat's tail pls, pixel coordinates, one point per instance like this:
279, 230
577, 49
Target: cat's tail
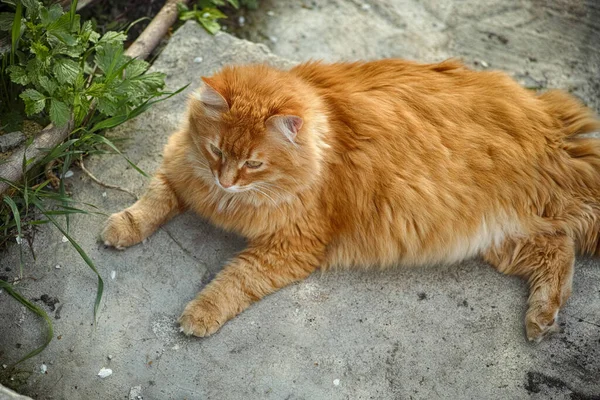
574, 117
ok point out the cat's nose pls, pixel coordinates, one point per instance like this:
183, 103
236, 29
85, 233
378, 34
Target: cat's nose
226, 183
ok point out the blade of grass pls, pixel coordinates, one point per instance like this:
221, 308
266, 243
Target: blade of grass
82, 253
110, 144
17, 216
49, 335
25, 181
16, 32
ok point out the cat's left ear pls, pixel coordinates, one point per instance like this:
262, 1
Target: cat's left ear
287, 125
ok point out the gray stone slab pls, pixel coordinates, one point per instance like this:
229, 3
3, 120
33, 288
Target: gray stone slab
451, 332
9, 141
543, 43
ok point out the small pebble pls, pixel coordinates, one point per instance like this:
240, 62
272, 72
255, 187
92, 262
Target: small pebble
273, 39
205, 15
113, 274
484, 64
109, 356
19, 239
44, 369
72, 349
68, 174
104, 194
4, 366
336, 382
270, 13
198, 60
365, 6
105, 373
64, 239
57, 266
241, 20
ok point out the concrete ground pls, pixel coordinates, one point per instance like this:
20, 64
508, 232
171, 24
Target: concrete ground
453, 332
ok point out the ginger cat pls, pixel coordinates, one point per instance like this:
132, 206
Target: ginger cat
378, 164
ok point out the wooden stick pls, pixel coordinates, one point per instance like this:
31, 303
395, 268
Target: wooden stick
154, 32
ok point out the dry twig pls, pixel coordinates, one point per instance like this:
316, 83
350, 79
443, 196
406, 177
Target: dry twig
106, 185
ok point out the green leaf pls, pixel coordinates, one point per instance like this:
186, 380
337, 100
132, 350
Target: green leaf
108, 106
211, 26
50, 15
66, 70
234, 3
39, 50
211, 13
136, 68
187, 15
34, 101
110, 58
64, 37
35, 68
49, 334
59, 113
153, 80
88, 33
59, 47
31, 4
62, 24
96, 89
48, 84
112, 37
6, 21
181, 8
18, 75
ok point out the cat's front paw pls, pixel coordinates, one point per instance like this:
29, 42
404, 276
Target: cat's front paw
200, 318
121, 230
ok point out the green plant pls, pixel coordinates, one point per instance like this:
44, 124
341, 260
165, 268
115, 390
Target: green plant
207, 13
57, 69
63, 67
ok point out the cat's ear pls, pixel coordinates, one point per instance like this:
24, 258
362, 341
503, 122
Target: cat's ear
287, 125
210, 97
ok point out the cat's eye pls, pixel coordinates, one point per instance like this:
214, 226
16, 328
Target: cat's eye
215, 150
253, 164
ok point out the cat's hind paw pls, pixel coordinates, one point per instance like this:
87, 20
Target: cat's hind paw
200, 319
539, 325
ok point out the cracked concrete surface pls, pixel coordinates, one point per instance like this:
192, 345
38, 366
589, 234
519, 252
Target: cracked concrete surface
438, 332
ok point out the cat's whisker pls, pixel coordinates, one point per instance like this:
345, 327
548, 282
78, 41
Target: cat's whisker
274, 193
256, 189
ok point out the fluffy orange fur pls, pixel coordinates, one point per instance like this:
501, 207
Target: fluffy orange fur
378, 164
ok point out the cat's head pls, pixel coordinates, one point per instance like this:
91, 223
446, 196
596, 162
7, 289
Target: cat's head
256, 131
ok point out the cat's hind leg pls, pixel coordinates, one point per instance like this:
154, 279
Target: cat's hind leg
546, 261
139, 221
